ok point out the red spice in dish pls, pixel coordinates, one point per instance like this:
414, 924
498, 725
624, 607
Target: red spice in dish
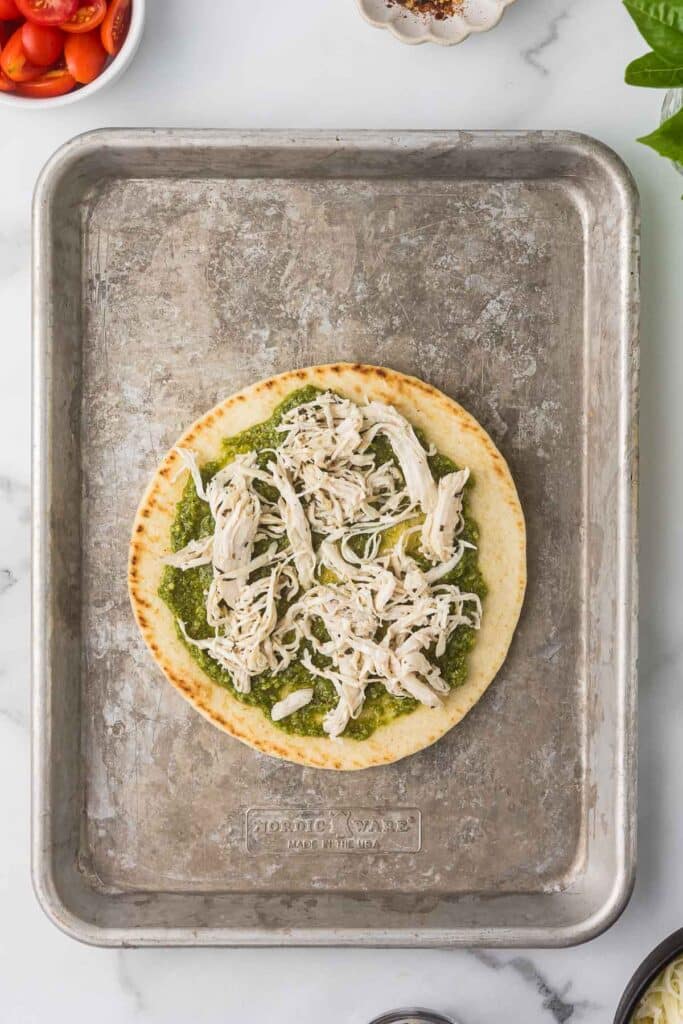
439, 9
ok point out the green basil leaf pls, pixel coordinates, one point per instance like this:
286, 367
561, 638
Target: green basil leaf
665, 40
668, 138
654, 73
669, 12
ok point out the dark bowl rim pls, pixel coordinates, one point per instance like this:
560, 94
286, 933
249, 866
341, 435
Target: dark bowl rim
416, 1012
653, 963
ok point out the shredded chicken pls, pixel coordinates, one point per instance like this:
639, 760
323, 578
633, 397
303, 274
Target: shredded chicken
296, 524
391, 598
243, 644
196, 553
291, 703
444, 521
309, 574
324, 448
384, 419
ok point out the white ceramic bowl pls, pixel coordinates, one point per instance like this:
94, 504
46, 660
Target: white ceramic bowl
114, 70
412, 27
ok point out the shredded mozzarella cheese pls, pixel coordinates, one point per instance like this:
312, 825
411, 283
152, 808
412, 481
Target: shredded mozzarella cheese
663, 1001
355, 614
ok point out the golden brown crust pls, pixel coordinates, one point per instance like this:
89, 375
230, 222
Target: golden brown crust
502, 558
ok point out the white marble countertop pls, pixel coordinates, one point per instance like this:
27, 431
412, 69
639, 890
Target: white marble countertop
550, 64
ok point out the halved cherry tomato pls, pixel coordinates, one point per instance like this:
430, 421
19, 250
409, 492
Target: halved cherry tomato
6, 84
8, 10
43, 44
89, 15
15, 63
85, 56
47, 12
51, 83
114, 28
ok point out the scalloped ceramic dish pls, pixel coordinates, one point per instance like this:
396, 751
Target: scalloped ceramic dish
412, 27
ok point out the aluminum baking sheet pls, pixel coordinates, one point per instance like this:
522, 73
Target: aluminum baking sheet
174, 267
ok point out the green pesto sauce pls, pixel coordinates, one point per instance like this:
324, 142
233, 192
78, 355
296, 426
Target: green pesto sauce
184, 593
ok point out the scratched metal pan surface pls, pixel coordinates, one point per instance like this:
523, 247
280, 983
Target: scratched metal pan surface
172, 268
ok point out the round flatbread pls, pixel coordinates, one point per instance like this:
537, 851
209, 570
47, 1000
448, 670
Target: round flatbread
493, 503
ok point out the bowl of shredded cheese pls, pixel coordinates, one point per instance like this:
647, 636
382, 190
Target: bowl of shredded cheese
654, 995
446, 22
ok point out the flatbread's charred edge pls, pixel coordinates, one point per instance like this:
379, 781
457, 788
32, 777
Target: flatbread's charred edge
149, 541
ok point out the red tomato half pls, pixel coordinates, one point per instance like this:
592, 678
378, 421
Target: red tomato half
47, 12
85, 56
43, 44
8, 10
6, 84
88, 16
15, 63
51, 83
115, 26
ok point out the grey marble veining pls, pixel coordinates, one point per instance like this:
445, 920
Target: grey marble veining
560, 1003
534, 54
336, 71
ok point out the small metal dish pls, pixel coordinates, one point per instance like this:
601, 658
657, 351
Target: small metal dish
657, 960
414, 27
412, 1016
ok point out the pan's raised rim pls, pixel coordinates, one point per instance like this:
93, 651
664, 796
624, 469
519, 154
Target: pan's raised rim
61, 167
